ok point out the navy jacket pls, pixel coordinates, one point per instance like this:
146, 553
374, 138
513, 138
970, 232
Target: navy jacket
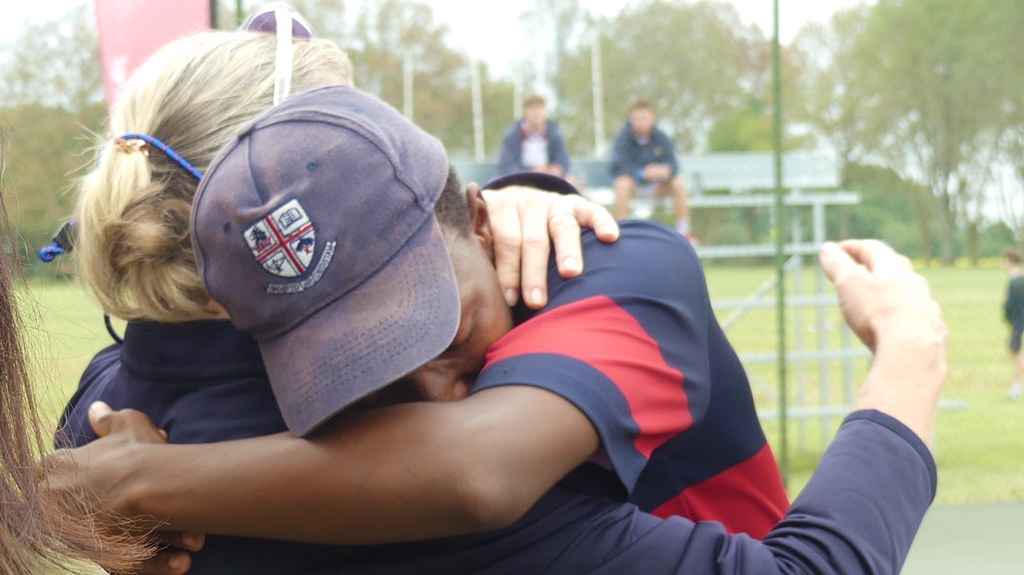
1013, 307
510, 160
629, 156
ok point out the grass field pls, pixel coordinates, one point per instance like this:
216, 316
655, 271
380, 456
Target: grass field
980, 450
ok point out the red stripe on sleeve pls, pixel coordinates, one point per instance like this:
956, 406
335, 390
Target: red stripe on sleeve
600, 333
748, 498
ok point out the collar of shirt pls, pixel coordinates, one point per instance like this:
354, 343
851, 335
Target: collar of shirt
204, 352
528, 133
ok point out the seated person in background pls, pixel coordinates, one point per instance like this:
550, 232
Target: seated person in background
643, 162
533, 143
335, 337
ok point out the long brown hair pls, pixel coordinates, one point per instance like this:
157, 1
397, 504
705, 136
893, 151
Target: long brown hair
38, 527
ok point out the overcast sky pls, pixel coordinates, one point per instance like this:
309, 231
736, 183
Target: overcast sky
489, 29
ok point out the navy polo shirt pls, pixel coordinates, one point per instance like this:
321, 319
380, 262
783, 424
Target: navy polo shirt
202, 382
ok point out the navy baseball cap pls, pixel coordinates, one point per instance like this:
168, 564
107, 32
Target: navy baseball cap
315, 229
538, 180
270, 16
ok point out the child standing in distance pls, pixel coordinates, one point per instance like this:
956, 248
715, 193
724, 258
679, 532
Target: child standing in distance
1013, 311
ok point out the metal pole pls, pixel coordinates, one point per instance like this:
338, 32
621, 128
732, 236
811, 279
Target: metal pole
407, 80
239, 13
779, 248
517, 94
819, 283
478, 113
798, 323
847, 367
598, 89
213, 14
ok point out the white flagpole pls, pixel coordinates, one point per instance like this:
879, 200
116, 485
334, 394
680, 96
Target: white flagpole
478, 113
407, 80
598, 90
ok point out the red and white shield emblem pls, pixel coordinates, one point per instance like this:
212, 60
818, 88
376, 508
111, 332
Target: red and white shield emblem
283, 241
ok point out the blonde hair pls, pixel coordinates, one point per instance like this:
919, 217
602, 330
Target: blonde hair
133, 246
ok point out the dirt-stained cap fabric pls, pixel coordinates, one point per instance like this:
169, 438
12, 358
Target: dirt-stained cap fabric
315, 229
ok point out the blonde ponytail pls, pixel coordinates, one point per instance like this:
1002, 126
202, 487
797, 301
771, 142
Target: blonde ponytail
133, 246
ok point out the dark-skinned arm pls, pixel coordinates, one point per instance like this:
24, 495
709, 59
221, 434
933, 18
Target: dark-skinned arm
405, 472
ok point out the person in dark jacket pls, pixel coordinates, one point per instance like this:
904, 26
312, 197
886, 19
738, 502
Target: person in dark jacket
644, 162
533, 144
1013, 311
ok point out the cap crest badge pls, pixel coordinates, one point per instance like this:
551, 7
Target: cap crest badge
283, 241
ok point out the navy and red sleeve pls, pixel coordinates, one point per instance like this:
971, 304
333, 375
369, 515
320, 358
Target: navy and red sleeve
625, 343
858, 514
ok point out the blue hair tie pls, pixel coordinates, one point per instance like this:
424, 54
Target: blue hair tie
63, 241
123, 141
50, 252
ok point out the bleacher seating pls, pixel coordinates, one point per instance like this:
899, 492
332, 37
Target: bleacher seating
730, 172
734, 172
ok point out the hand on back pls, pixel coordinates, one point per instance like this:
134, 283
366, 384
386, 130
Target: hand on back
99, 468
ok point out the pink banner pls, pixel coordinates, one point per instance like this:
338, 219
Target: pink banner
131, 30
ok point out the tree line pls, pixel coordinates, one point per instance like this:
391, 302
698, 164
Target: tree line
922, 101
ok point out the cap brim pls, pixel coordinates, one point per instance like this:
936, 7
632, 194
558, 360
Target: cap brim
539, 180
399, 319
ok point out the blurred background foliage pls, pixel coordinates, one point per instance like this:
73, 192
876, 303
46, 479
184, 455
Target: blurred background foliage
920, 101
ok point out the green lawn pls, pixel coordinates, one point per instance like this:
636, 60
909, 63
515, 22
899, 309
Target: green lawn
980, 450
